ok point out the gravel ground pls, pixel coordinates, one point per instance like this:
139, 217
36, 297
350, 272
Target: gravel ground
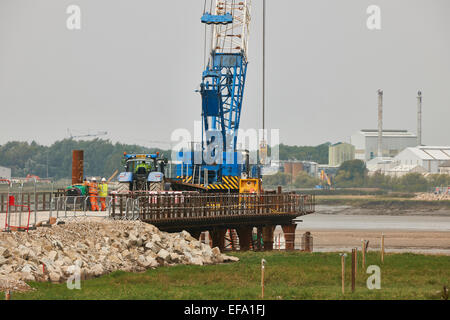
93, 246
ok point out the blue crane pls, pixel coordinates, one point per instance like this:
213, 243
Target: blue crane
218, 164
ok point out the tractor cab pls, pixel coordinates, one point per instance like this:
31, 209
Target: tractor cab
143, 171
138, 166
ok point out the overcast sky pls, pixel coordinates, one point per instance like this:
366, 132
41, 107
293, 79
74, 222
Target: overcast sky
133, 67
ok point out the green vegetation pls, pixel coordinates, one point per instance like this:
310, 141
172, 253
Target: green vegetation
353, 173
302, 180
101, 157
289, 275
317, 154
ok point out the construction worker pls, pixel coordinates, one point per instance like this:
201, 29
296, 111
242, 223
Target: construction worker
143, 164
93, 194
103, 193
85, 190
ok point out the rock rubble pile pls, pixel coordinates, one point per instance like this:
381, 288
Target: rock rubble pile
95, 247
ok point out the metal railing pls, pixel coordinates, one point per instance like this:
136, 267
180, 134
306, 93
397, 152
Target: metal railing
166, 206
194, 205
58, 207
76, 206
39, 201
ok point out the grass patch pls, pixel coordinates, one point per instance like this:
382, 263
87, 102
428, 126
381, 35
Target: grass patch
289, 275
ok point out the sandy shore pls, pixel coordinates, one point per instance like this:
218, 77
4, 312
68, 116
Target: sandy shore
395, 241
341, 228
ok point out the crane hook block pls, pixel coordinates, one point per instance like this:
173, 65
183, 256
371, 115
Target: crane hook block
217, 19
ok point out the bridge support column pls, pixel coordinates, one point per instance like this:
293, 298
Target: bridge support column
245, 237
289, 235
218, 237
196, 234
267, 233
258, 243
205, 237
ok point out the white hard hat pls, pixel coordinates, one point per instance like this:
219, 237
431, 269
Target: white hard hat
93, 179
103, 180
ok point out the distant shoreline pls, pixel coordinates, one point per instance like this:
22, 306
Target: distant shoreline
386, 204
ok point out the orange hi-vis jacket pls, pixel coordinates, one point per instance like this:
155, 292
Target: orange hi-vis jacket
93, 189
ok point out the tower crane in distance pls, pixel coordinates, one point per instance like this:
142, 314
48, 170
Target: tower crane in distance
87, 135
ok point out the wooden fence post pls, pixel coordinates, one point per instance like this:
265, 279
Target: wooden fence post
263, 264
354, 250
343, 255
363, 254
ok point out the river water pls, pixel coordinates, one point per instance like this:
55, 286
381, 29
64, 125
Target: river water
340, 228
340, 221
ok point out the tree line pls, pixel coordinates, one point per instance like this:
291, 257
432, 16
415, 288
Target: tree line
302, 180
101, 157
354, 174
317, 154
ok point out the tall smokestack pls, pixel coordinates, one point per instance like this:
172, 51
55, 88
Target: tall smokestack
419, 118
380, 123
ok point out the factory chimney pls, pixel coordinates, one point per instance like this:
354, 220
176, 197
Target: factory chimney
380, 123
419, 118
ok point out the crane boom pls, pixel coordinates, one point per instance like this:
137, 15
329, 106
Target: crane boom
223, 80
232, 36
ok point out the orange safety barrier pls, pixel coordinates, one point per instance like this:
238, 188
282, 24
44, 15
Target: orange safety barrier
11, 203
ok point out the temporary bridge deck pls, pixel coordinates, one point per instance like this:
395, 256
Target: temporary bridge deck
194, 212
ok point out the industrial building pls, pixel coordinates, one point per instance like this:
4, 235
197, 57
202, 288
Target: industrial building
444, 168
393, 142
390, 167
311, 168
382, 165
403, 169
431, 158
5, 173
293, 167
340, 152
